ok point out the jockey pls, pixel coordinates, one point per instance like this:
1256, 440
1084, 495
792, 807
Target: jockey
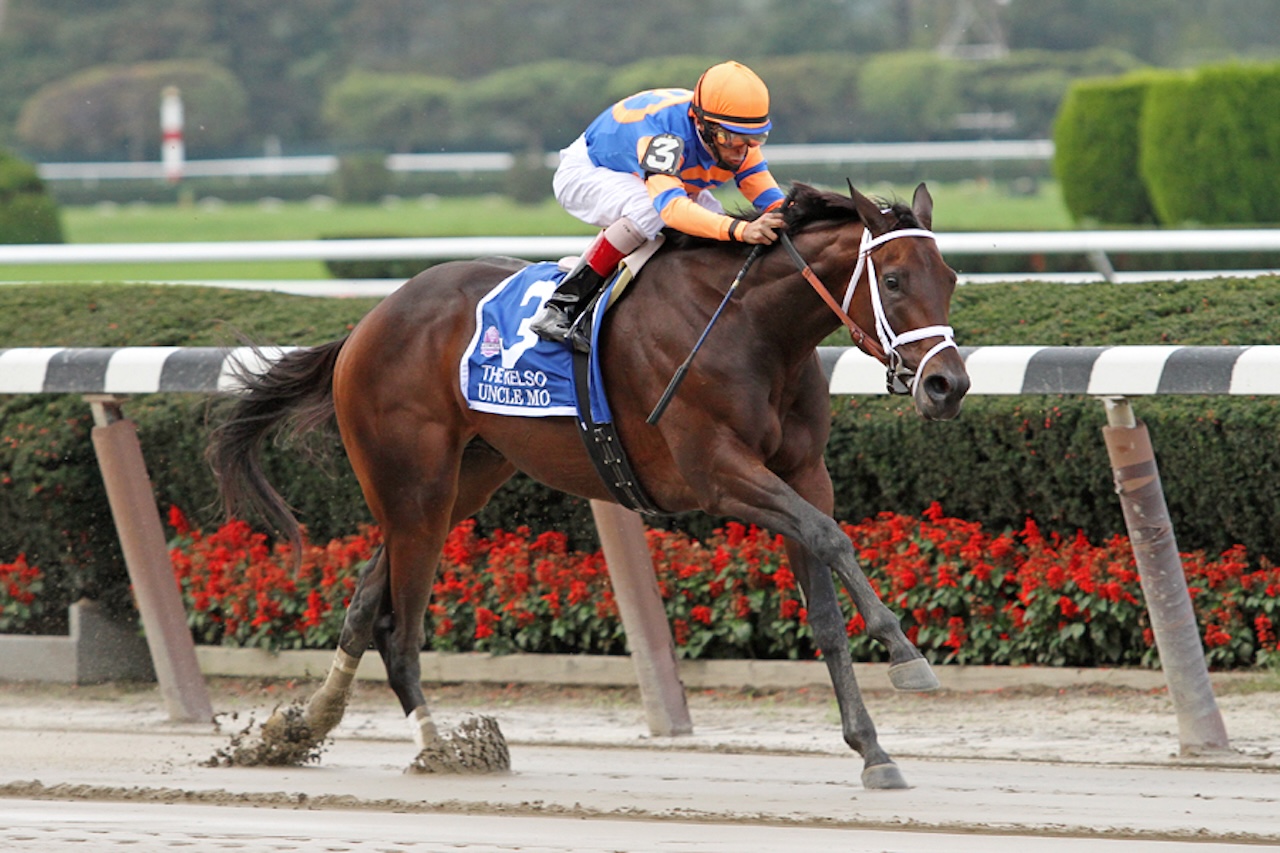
650, 161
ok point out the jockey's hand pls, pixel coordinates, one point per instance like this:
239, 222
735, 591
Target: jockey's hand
763, 229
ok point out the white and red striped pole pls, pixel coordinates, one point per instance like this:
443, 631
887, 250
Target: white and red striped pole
172, 152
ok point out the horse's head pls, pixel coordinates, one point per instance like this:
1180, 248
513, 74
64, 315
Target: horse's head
908, 302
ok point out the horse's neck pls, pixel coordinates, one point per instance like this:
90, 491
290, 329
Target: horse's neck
801, 318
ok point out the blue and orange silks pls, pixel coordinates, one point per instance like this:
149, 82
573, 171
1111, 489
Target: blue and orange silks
621, 137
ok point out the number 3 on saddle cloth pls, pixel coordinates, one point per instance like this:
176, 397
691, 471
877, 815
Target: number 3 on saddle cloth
508, 370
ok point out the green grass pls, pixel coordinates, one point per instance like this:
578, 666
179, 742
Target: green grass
986, 206
433, 217
967, 206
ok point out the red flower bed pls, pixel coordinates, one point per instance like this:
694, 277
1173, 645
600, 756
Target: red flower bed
963, 594
240, 591
20, 587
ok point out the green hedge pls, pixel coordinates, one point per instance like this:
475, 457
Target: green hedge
1185, 147
1007, 459
1095, 140
28, 214
1210, 143
1002, 460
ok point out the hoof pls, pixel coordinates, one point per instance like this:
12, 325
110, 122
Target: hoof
883, 777
324, 711
475, 746
914, 675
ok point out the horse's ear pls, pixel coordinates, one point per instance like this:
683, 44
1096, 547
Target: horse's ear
922, 206
869, 212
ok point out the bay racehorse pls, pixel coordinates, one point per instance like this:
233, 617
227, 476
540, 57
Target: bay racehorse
744, 436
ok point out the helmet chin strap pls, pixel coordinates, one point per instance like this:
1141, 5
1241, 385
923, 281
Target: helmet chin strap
705, 133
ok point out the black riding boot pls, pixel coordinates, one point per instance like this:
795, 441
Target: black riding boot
558, 314
598, 262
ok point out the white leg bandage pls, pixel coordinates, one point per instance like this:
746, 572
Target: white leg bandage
342, 671
422, 727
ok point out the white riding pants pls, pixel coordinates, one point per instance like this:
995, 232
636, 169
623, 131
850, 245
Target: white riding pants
602, 196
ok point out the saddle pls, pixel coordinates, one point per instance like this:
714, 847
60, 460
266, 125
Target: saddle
509, 370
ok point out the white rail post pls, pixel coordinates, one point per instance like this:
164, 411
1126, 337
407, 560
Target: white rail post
172, 149
635, 586
133, 506
1164, 582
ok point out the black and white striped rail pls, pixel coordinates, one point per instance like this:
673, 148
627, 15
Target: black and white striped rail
124, 370
1124, 371
1007, 370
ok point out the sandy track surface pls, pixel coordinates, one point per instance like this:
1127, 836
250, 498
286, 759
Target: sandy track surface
1078, 762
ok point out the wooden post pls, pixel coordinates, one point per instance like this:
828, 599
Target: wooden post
1164, 581
133, 506
635, 585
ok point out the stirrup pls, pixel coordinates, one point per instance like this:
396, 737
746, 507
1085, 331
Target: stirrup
580, 338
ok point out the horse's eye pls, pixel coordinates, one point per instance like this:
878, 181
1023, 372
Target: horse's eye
891, 282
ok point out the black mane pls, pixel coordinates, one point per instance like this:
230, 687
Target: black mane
805, 206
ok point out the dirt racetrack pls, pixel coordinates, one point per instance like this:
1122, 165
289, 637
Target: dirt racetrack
1083, 762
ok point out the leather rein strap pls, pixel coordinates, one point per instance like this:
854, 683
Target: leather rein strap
861, 339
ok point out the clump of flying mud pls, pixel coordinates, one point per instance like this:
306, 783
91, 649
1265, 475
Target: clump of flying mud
284, 740
476, 745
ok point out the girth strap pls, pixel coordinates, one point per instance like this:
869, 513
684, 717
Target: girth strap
604, 446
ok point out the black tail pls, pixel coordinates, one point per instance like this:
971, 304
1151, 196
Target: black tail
298, 391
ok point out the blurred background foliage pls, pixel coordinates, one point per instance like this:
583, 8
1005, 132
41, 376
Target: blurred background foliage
422, 75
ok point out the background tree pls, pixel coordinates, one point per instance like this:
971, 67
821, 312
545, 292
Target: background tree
813, 97
392, 112
536, 107
1096, 151
1209, 143
1030, 84
44, 41
288, 54
659, 72
114, 111
910, 95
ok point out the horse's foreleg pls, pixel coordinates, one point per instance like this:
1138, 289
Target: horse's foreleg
327, 705
802, 511
828, 625
908, 670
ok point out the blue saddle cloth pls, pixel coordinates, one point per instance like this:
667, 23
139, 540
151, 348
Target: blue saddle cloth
508, 370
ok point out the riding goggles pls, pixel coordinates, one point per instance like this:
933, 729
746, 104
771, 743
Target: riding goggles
735, 140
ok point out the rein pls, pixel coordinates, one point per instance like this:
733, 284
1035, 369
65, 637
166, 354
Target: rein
901, 380
860, 339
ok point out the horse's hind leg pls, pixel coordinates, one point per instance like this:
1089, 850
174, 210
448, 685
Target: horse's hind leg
326, 706
828, 625
415, 528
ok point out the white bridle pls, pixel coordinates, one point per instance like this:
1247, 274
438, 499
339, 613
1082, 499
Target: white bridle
889, 339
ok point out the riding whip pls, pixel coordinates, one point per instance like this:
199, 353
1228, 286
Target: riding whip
684, 368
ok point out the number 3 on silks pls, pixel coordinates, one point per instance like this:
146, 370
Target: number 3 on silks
535, 294
663, 155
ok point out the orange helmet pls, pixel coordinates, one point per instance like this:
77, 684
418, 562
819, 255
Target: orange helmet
732, 96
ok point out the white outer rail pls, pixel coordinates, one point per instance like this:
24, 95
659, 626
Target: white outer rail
538, 248
497, 161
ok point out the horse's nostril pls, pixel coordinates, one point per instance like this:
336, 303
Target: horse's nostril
938, 387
